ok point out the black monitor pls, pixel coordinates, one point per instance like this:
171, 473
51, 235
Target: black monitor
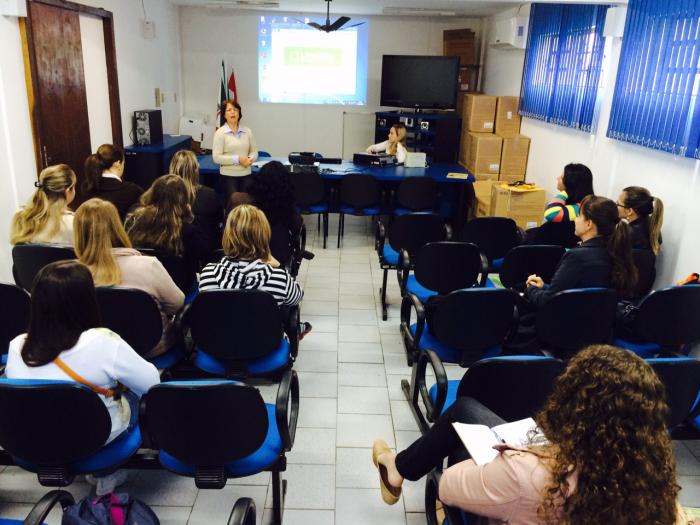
425, 82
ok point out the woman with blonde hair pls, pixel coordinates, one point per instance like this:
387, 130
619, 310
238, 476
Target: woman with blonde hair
104, 247
207, 210
46, 217
645, 215
395, 145
104, 171
608, 458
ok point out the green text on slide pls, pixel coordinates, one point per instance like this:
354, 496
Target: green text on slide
312, 57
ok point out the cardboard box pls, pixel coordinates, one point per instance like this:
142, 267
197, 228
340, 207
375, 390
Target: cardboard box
524, 204
507, 117
481, 155
514, 158
478, 113
482, 197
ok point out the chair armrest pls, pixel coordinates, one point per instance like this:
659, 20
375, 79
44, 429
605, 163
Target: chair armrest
432, 494
291, 328
286, 418
380, 238
403, 269
484, 269
448, 232
432, 411
411, 300
41, 510
243, 512
180, 327
146, 441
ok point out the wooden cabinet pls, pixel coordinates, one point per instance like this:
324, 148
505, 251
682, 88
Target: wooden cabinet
462, 43
144, 164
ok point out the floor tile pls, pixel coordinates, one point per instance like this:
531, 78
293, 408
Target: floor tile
363, 400
327, 342
313, 446
320, 294
414, 495
317, 413
322, 323
358, 334
302, 517
366, 301
346, 288
20, 511
317, 384
686, 463
261, 478
360, 352
319, 308
361, 374
308, 487
355, 430
415, 518
354, 469
173, 515
214, 506
365, 506
316, 361
358, 278
396, 364
357, 317
394, 385
21, 486
159, 487
402, 416
690, 491
354, 267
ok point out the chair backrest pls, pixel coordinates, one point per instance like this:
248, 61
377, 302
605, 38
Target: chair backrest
412, 231
669, 317
473, 320
417, 193
359, 191
308, 188
205, 423
573, 319
131, 313
514, 387
522, 261
181, 271
263, 154
558, 233
15, 317
494, 236
448, 266
51, 423
235, 325
645, 261
281, 244
28, 259
681, 377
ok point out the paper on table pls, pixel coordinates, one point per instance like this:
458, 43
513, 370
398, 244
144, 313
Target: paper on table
480, 439
457, 176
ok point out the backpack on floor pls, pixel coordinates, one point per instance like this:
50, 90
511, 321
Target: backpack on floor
111, 509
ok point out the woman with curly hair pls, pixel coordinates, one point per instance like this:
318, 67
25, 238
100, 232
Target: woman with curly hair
609, 459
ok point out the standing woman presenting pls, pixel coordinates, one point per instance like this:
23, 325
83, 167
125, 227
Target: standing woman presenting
395, 145
234, 150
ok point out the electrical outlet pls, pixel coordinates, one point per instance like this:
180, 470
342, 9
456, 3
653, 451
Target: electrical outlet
157, 97
148, 29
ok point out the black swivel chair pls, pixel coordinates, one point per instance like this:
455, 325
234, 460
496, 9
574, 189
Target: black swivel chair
215, 430
181, 271
243, 512
242, 333
416, 194
495, 236
43, 507
310, 198
681, 377
645, 261
407, 235
359, 195
523, 261
556, 233
28, 259
15, 320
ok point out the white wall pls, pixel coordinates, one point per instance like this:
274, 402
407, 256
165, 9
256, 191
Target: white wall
615, 164
210, 35
142, 65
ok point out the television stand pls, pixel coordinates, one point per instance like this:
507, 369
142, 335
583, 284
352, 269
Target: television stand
435, 134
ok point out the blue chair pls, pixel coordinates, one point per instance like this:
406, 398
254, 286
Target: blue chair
665, 321
359, 195
310, 198
28, 259
134, 315
43, 507
495, 237
440, 268
242, 333
453, 515
574, 319
461, 327
216, 430
522, 261
15, 320
77, 421
407, 234
263, 154
416, 194
681, 377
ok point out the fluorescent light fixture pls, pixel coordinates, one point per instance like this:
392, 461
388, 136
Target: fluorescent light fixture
417, 11
257, 4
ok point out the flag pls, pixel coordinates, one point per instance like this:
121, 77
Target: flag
232, 85
223, 95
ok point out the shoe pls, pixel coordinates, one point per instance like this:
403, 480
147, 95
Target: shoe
390, 494
305, 328
107, 484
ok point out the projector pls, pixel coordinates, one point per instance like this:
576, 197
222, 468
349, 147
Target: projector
373, 160
415, 160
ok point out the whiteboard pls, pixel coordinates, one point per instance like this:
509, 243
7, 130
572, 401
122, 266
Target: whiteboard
358, 132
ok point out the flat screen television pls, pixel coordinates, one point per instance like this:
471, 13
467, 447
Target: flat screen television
411, 81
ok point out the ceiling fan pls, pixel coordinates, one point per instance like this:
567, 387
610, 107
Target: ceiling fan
335, 26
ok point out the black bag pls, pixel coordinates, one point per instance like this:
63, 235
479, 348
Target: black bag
111, 509
624, 319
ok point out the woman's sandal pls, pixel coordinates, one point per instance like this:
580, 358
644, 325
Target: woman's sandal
390, 494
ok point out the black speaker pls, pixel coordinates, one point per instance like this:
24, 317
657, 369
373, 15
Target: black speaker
148, 127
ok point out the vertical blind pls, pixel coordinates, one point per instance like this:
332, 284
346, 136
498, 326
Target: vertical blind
654, 103
563, 64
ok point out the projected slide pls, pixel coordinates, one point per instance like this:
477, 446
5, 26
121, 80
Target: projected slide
301, 65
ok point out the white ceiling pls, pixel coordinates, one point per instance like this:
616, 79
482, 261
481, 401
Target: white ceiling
469, 8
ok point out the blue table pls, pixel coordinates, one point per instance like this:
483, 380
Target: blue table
146, 163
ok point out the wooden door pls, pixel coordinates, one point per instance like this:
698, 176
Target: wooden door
59, 111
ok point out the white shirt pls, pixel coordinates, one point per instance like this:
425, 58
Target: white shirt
384, 146
230, 146
101, 357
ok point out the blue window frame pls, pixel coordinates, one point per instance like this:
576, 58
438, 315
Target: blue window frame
655, 100
563, 64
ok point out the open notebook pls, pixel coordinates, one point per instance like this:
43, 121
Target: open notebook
480, 439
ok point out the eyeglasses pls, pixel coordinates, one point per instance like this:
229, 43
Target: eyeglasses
622, 206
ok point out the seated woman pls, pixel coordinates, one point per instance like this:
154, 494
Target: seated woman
46, 217
104, 247
602, 259
645, 216
573, 185
609, 457
395, 145
163, 222
247, 263
64, 341
206, 208
103, 178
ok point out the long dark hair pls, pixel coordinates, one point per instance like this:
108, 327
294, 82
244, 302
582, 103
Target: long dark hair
649, 209
272, 193
63, 307
95, 164
603, 213
578, 181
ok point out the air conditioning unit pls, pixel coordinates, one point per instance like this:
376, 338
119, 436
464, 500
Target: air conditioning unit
509, 33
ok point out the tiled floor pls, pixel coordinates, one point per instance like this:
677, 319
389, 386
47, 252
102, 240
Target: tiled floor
350, 368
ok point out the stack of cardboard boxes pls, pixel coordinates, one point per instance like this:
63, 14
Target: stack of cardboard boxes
494, 151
